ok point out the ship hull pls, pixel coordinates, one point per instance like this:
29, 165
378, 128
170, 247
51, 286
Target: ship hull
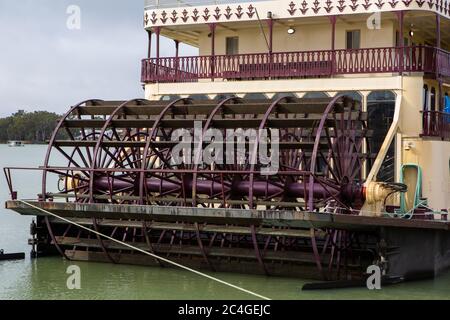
274, 243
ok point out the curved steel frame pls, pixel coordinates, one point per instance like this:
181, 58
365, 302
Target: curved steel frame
208, 123
154, 133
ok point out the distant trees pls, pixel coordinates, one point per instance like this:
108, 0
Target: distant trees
34, 126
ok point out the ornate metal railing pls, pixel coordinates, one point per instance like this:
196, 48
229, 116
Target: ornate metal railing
442, 62
436, 124
301, 64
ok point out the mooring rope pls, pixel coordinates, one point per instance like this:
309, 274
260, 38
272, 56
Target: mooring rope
146, 252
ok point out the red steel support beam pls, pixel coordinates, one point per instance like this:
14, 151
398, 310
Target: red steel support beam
438, 31
438, 58
149, 51
177, 47
401, 42
270, 25
158, 32
212, 28
333, 42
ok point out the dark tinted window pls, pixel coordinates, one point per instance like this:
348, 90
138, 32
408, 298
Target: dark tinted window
433, 99
255, 96
353, 39
380, 109
355, 95
283, 94
199, 97
169, 97
316, 95
232, 45
425, 98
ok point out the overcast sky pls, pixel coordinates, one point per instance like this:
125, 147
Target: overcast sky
46, 66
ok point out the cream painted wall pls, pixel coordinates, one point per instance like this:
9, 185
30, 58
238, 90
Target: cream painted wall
410, 118
307, 37
434, 159
362, 83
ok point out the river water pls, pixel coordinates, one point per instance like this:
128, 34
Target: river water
45, 278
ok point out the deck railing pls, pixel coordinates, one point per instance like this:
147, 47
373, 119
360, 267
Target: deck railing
301, 64
443, 62
436, 124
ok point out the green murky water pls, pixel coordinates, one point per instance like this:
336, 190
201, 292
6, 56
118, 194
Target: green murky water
46, 278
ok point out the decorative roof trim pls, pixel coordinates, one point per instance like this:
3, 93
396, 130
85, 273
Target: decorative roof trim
285, 9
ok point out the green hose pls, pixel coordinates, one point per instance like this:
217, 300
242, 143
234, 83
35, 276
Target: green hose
417, 194
403, 212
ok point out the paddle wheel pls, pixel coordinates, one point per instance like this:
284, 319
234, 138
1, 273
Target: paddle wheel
124, 154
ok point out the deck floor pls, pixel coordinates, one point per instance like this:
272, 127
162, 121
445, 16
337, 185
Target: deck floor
276, 218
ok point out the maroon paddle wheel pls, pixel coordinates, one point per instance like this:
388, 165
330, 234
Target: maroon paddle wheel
127, 154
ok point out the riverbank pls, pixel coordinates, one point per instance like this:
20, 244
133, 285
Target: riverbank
36, 126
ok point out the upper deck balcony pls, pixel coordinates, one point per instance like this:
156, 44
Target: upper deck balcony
300, 64
436, 124
290, 40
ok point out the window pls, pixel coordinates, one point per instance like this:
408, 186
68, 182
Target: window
223, 96
405, 42
232, 45
355, 95
255, 96
171, 97
380, 113
283, 94
198, 97
425, 98
433, 99
315, 95
353, 39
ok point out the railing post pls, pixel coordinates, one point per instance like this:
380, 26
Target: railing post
149, 47
333, 43
270, 24
425, 123
438, 58
401, 42
145, 68
158, 32
176, 64
212, 28
420, 64
438, 31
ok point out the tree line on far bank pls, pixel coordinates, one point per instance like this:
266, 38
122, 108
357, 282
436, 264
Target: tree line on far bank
34, 126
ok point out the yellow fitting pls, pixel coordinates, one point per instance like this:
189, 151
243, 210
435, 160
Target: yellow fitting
73, 182
376, 192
